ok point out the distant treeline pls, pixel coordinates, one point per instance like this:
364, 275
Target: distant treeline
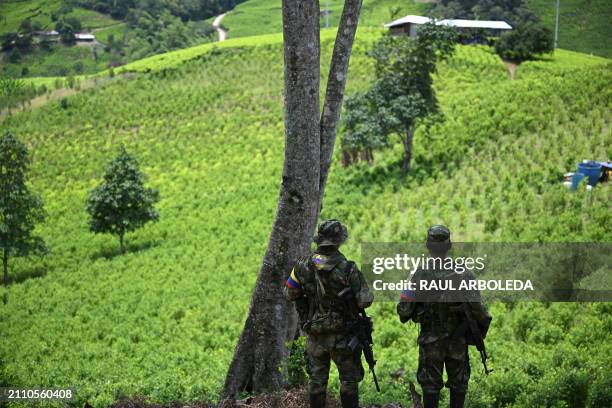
513, 11
193, 10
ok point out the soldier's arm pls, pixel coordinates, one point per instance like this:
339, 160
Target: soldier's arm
360, 287
408, 302
293, 286
479, 311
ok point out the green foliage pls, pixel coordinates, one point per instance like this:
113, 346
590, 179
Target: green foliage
20, 210
513, 11
297, 363
257, 17
403, 91
184, 9
121, 203
67, 28
153, 34
163, 320
524, 43
584, 25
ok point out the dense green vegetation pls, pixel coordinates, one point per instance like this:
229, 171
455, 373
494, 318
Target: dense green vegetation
207, 126
13, 12
255, 17
584, 25
125, 31
128, 30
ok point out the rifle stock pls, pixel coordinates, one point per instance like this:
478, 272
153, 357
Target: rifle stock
361, 329
476, 334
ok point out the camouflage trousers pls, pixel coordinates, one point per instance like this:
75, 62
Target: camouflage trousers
449, 353
321, 350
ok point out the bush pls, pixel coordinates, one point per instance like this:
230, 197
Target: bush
524, 43
601, 393
297, 363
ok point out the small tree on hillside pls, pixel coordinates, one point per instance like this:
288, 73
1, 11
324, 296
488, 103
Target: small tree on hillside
121, 203
20, 210
403, 92
67, 28
524, 43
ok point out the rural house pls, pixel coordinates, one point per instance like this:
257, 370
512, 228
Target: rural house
85, 37
409, 25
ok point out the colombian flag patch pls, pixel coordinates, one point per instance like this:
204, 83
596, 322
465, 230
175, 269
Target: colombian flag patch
408, 296
293, 282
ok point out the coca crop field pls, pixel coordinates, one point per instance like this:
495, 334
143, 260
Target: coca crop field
206, 125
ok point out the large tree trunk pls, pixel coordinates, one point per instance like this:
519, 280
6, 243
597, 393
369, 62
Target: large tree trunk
407, 150
260, 356
336, 83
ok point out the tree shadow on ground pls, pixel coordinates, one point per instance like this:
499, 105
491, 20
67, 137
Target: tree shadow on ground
389, 173
110, 253
30, 273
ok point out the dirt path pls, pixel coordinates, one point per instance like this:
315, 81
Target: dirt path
217, 25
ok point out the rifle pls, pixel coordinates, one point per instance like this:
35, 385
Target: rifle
360, 328
476, 335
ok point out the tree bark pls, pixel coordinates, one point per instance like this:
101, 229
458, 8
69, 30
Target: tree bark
121, 242
336, 83
5, 267
407, 151
259, 359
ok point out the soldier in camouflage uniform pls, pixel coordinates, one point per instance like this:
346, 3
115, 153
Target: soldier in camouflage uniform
443, 338
316, 281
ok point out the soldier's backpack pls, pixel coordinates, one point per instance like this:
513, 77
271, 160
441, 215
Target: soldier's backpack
322, 311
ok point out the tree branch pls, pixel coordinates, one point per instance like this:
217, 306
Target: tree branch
335, 87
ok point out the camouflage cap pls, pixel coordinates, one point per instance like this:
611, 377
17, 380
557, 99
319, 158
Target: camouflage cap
438, 233
331, 232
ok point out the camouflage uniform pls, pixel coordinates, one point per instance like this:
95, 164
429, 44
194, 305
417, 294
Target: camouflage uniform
319, 278
443, 336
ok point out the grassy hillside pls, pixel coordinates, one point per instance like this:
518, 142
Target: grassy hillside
584, 25
207, 126
13, 12
256, 17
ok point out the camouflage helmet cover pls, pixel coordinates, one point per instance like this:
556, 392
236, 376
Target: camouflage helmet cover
438, 233
331, 232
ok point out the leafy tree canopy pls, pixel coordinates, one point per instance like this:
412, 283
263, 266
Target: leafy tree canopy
524, 43
20, 210
403, 91
121, 203
513, 11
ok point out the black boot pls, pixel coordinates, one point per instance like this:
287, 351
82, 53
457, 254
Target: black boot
349, 400
457, 399
317, 400
431, 400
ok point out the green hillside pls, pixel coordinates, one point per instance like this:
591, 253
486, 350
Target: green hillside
256, 17
207, 126
584, 24
584, 27
13, 12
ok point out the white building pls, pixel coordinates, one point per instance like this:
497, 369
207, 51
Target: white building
409, 25
84, 37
